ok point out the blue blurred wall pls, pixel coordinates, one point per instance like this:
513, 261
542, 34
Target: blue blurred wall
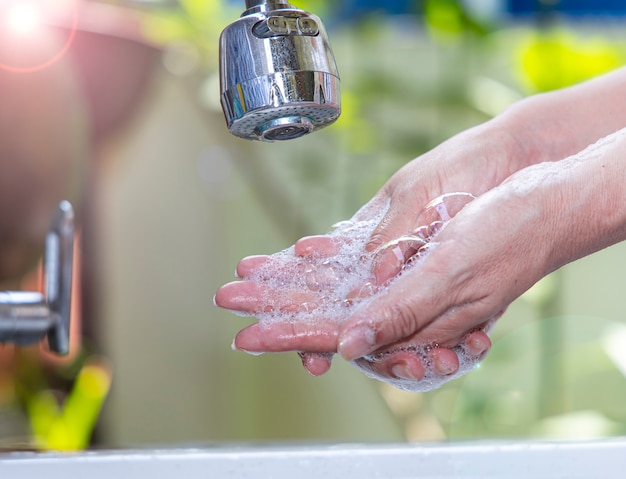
572, 7
351, 8
354, 8
358, 7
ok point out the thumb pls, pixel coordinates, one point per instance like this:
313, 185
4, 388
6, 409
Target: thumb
398, 220
396, 314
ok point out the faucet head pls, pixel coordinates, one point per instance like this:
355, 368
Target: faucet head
278, 76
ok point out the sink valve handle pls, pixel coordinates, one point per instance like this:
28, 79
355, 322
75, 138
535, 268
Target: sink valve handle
28, 317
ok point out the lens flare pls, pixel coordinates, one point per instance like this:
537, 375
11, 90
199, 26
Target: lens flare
26, 20
23, 18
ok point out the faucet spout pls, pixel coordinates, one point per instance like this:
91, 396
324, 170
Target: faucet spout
278, 76
258, 3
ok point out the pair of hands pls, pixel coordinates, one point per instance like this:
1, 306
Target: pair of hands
303, 295
543, 200
414, 331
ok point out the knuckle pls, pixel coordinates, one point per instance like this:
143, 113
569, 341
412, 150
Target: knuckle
400, 320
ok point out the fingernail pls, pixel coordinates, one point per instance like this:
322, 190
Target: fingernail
477, 344
402, 371
444, 368
234, 347
356, 343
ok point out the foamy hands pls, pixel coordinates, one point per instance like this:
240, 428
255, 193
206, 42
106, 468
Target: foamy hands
305, 296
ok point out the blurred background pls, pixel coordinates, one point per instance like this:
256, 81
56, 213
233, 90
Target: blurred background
115, 106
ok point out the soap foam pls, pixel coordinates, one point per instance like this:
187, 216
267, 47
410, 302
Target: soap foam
333, 288
327, 284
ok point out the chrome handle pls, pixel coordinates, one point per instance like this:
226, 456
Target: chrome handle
28, 317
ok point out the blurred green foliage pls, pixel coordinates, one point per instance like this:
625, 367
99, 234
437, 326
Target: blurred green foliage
558, 58
195, 21
449, 20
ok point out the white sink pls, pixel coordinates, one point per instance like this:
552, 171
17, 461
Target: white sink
507, 460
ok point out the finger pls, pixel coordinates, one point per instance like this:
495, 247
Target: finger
321, 245
386, 266
319, 337
316, 363
390, 259
250, 265
243, 296
390, 317
445, 361
478, 344
398, 365
395, 223
393, 321
249, 297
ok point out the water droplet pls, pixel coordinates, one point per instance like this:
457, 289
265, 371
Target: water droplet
402, 248
309, 306
422, 232
444, 207
434, 228
318, 277
312, 281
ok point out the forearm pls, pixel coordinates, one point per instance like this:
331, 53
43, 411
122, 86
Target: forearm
565, 209
555, 125
545, 127
590, 200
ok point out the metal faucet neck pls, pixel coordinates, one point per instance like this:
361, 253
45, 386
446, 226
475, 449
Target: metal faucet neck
256, 6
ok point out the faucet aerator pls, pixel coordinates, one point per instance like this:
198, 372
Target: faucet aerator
288, 128
278, 76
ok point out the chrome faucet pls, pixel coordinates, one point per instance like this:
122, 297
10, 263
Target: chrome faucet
28, 317
278, 75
